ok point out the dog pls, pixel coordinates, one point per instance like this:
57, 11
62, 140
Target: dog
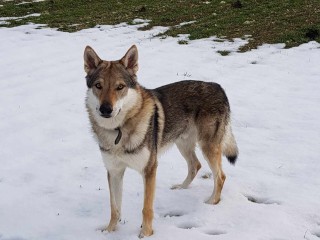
133, 125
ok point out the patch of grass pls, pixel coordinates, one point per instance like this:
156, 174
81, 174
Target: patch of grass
183, 42
279, 21
224, 53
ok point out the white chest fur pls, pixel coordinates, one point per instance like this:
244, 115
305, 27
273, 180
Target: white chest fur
116, 155
136, 161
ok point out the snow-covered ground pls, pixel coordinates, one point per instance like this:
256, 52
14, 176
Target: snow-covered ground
53, 184
3, 20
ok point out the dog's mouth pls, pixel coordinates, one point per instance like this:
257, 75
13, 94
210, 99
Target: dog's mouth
105, 115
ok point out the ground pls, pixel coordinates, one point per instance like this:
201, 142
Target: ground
277, 21
53, 184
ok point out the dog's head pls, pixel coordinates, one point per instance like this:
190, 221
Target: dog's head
111, 81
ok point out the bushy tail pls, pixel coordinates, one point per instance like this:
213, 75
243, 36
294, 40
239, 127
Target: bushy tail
229, 147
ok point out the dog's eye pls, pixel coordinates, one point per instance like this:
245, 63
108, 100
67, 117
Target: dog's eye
98, 85
120, 87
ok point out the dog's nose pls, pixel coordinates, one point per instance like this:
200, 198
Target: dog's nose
106, 110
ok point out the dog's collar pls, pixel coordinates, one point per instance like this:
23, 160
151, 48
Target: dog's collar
115, 142
119, 135
155, 129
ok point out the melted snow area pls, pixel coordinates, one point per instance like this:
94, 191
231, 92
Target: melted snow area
53, 184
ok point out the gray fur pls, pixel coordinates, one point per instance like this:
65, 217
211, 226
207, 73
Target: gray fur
189, 103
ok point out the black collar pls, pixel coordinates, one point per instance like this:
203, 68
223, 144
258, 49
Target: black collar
119, 135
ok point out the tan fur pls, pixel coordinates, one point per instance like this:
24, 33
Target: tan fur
213, 156
149, 192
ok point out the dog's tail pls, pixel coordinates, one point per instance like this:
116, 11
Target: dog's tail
229, 145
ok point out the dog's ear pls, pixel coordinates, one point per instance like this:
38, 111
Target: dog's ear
130, 60
91, 59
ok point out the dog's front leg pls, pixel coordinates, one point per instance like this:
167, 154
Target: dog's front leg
115, 180
149, 179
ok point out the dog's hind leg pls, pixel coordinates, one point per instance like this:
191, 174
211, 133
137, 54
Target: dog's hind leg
187, 150
213, 154
115, 180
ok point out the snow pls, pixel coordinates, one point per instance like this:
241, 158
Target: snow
185, 23
53, 184
139, 20
2, 19
22, 3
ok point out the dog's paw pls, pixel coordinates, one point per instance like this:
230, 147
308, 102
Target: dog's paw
102, 228
145, 232
178, 186
109, 228
213, 201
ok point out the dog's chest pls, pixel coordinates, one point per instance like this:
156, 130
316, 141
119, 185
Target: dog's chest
136, 161
120, 155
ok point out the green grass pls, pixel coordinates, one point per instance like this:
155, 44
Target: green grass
183, 42
224, 53
279, 21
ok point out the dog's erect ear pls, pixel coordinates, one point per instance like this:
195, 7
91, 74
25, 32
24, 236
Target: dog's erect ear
130, 60
91, 59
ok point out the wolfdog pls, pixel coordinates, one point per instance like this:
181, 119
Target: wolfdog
133, 124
